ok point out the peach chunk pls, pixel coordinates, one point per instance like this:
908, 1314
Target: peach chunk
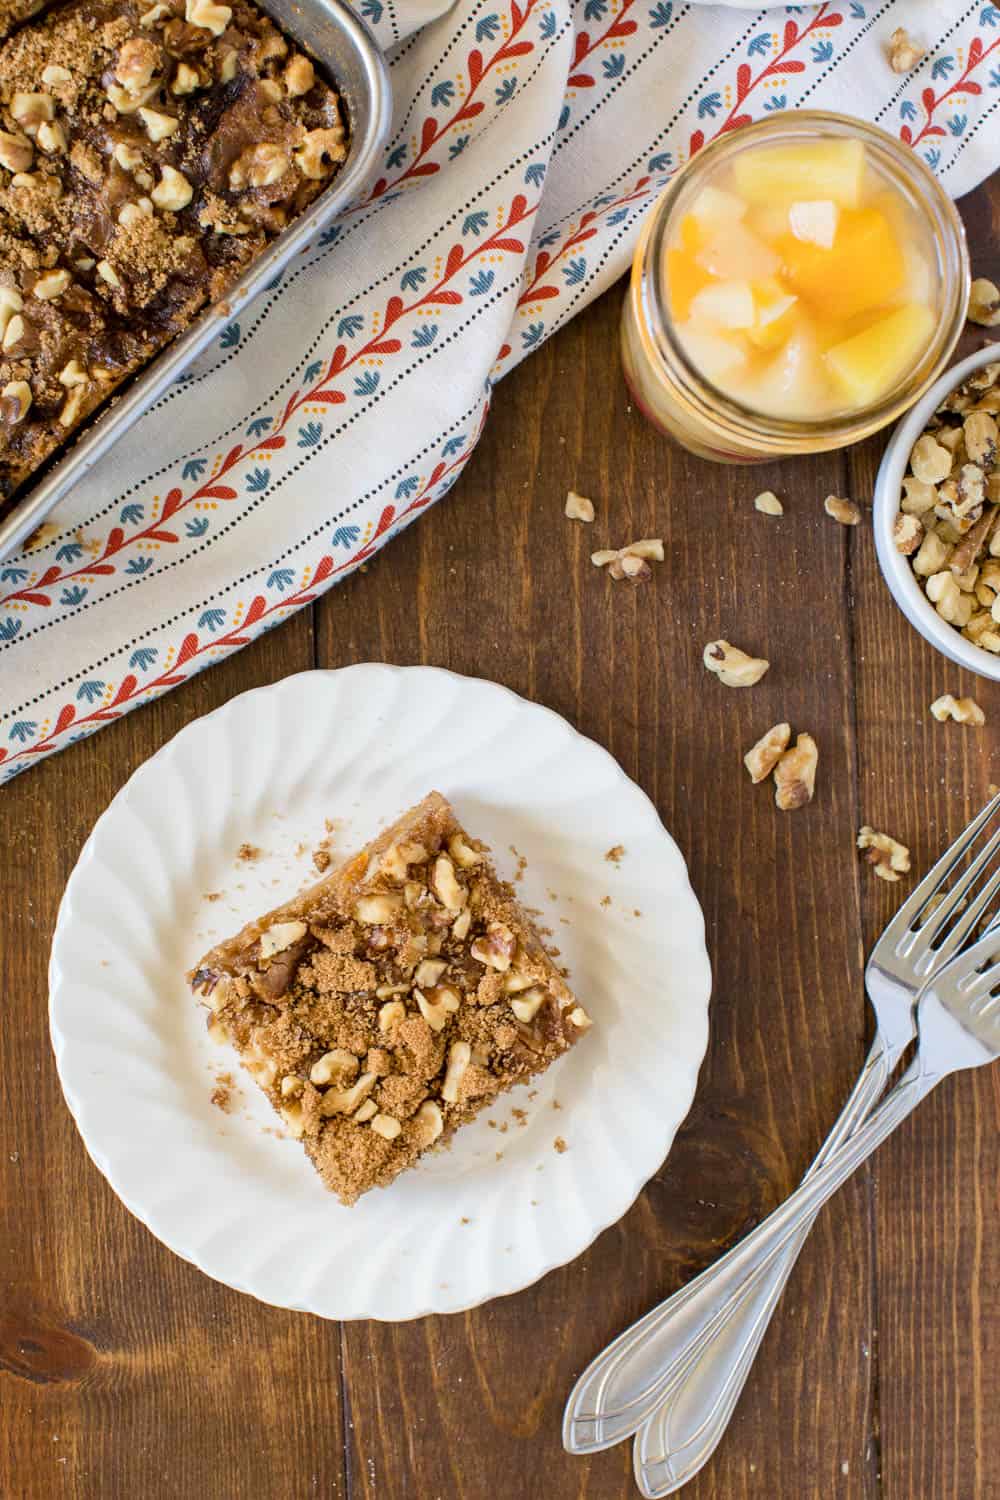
862, 269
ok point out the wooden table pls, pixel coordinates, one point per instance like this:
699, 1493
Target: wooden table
126, 1373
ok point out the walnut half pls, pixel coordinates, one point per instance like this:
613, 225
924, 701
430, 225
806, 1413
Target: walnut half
761, 760
795, 774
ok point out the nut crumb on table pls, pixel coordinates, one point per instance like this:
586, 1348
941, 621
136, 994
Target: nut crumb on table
768, 504
248, 853
962, 710
560, 1145
845, 511
795, 774
578, 507
761, 759
984, 303
889, 858
386, 1006
213, 895
904, 52
631, 562
615, 854
733, 667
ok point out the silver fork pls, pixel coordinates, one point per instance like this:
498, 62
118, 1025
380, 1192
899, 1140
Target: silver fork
648, 1364
958, 1027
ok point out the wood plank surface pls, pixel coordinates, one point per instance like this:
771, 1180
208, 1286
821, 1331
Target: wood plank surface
126, 1373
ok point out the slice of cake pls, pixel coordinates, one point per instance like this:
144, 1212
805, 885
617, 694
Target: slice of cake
391, 1002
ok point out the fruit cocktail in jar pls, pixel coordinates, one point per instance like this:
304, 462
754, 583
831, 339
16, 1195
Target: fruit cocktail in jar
799, 284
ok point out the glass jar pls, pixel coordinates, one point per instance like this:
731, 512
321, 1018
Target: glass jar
683, 403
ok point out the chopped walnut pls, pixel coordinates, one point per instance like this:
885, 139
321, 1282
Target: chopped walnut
768, 504
51, 284
300, 75
962, 710
15, 401
844, 511
16, 151
732, 666
208, 16
948, 599
795, 774
888, 858
158, 125
173, 191
259, 166
52, 137
631, 562
930, 460
762, 758
918, 497
320, 151
984, 303
496, 949
979, 431
904, 52
138, 59
30, 110
578, 507
907, 534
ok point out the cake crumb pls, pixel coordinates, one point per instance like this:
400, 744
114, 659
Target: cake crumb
464, 1220
213, 895
321, 858
521, 1116
636, 912
560, 1145
248, 853
556, 1104
222, 1094
615, 853
522, 863
605, 900
498, 1155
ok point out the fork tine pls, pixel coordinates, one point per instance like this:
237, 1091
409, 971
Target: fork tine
958, 896
964, 927
938, 874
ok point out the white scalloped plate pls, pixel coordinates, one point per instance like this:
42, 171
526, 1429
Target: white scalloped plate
358, 745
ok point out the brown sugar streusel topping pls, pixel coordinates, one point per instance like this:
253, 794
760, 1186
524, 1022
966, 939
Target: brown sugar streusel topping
149, 151
385, 1007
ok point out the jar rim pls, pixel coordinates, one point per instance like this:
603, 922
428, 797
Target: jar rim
714, 405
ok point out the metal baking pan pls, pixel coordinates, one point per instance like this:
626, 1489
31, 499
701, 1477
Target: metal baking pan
347, 53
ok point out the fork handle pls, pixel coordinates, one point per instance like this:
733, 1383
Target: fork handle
681, 1435
656, 1472
625, 1384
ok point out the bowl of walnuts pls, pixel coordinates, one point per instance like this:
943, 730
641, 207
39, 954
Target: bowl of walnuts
937, 514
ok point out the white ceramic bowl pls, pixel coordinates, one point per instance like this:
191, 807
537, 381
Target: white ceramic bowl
895, 567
